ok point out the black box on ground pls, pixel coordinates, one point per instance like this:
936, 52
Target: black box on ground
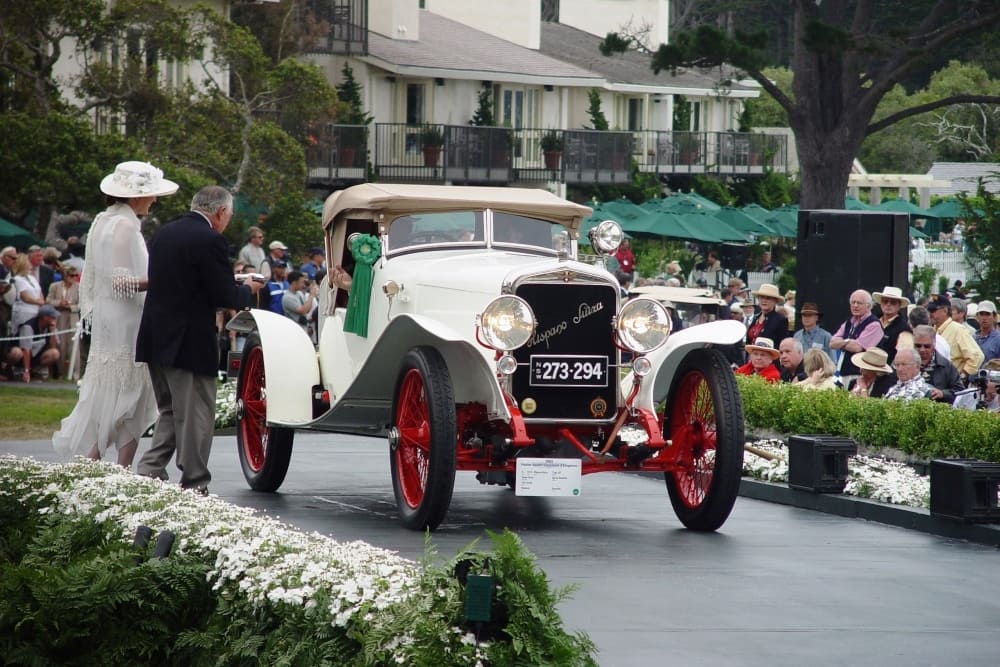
965, 489
818, 463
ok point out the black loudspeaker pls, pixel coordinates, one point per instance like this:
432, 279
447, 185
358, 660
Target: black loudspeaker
733, 257
842, 251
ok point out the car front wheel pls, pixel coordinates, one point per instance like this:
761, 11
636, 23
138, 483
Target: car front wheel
705, 422
422, 440
264, 450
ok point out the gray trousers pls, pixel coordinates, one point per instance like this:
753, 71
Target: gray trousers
186, 425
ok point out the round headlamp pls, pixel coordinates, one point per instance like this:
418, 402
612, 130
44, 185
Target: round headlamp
606, 237
643, 325
506, 323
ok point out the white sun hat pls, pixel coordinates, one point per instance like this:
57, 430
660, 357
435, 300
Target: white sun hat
137, 179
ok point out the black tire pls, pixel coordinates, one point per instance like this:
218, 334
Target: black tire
705, 418
422, 448
264, 450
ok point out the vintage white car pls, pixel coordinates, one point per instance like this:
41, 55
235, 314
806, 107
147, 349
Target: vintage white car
473, 340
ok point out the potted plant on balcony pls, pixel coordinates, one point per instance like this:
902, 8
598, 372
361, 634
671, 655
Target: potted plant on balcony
431, 141
688, 147
552, 147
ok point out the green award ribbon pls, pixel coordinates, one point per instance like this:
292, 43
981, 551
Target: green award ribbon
366, 249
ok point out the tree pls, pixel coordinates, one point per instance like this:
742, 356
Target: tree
483, 117
597, 117
844, 63
982, 237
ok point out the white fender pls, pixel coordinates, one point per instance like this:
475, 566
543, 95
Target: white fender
289, 365
666, 359
472, 374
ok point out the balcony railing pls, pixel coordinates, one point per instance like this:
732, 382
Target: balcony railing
439, 153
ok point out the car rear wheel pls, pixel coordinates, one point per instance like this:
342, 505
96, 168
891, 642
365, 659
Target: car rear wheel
705, 426
423, 439
264, 450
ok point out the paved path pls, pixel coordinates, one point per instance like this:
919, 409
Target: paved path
776, 586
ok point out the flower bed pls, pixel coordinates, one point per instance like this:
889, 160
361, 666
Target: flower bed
868, 476
241, 586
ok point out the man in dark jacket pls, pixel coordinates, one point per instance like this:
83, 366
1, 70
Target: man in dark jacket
189, 279
936, 369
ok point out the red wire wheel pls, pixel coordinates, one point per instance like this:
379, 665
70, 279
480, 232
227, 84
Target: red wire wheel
423, 439
264, 451
705, 427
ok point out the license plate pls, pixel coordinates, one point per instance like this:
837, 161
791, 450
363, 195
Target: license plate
554, 370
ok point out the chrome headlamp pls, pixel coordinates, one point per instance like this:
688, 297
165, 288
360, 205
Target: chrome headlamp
606, 237
643, 325
506, 323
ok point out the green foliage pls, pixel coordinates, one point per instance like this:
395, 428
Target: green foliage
942, 284
292, 221
597, 119
652, 256
921, 428
349, 92
77, 597
786, 280
982, 238
682, 114
922, 278
765, 111
483, 117
551, 141
771, 189
714, 189
431, 135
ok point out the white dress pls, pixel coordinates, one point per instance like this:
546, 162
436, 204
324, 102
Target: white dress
116, 403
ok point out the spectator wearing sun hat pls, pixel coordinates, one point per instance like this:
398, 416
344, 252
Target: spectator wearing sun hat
965, 354
768, 322
275, 253
875, 374
988, 337
896, 331
762, 355
812, 336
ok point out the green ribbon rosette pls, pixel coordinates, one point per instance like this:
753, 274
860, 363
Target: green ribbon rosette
366, 249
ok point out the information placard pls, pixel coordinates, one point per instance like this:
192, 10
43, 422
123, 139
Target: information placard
548, 477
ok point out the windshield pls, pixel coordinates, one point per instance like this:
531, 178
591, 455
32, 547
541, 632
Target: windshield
468, 228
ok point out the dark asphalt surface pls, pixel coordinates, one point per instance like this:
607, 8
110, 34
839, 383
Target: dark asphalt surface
775, 586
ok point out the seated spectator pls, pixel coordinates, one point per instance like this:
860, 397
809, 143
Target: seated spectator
299, 299
762, 355
909, 385
37, 351
811, 335
790, 357
876, 374
64, 296
819, 371
276, 286
768, 321
918, 315
937, 371
316, 263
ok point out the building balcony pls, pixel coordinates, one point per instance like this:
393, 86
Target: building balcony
464, 154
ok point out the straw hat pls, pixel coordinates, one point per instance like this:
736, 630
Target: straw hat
765, 345
137, 179
769, 290
874, 359
890, 292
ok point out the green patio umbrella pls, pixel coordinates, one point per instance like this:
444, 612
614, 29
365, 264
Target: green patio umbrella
711, 228
785, 221
903, 206
950, 209
917, 234
19, 237
743, 222
854, 204
687, 199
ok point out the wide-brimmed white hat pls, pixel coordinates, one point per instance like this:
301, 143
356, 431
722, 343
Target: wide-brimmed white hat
137, 179
765, 345
890, 292
769, 290
874, 359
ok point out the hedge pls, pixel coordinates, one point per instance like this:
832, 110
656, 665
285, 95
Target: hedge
921, 428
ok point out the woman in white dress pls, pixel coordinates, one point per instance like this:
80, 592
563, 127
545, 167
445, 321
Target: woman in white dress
116, 403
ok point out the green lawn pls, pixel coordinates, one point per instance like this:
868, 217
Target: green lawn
28, 413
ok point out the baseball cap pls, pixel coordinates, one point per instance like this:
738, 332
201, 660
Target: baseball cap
987, 307
316, 251
279, 264
47, 311
277, 245
939, 301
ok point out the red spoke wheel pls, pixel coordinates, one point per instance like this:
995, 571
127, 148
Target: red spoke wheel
264, 450
705, 426
423, 439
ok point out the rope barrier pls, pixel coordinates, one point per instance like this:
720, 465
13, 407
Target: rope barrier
41, 335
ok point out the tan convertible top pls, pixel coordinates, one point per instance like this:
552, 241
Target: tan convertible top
393, 199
